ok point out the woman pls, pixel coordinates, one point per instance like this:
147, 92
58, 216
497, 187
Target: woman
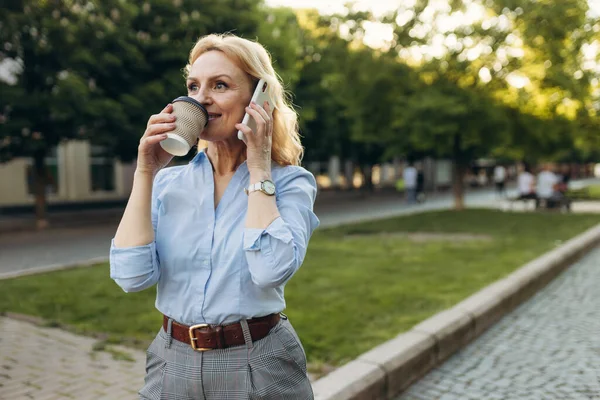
221, 257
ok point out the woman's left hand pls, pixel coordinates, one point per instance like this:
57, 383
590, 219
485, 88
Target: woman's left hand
258, 156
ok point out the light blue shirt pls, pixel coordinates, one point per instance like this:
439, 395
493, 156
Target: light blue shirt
209, 267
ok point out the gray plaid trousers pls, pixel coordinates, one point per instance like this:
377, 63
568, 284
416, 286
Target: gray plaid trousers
271, 368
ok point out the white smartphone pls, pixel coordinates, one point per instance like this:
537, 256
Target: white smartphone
260, 95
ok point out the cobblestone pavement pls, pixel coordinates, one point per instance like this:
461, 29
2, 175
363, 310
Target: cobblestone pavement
51, 364
547, 349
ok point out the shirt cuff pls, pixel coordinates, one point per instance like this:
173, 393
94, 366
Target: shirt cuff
131, 262
277, 229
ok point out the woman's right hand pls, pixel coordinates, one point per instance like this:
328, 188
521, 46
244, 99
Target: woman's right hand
151, 156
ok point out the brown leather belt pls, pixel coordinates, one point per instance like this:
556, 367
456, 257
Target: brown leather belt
204, 337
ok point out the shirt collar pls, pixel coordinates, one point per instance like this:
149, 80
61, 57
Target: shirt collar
198, 157
201, 156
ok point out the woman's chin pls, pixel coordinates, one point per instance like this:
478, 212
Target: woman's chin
220, 135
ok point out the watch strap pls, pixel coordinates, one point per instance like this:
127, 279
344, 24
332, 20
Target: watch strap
253, 188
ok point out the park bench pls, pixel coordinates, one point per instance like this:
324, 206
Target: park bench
563, 204
528, 203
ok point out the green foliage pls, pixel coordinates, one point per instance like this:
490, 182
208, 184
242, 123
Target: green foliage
98, 70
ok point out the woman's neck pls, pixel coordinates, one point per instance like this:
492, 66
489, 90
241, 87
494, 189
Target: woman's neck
225, 158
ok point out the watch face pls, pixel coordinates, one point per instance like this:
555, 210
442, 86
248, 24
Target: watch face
269, 187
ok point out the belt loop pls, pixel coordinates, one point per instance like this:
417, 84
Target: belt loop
169, 333
247, 335
220, 337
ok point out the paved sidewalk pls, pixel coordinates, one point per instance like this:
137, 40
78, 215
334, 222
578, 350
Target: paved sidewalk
547, 349
49, 249
51, 364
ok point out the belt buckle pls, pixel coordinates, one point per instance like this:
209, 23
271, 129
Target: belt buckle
193, 337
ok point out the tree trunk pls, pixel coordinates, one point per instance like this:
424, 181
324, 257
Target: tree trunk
367, 171
458, 187
349, 174
40, 182
458, 175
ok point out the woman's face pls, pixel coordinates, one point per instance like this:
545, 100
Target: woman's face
223, 89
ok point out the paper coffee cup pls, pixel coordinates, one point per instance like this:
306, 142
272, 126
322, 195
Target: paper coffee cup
192, 118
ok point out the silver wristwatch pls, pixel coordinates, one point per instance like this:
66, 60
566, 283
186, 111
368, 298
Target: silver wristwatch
266, 186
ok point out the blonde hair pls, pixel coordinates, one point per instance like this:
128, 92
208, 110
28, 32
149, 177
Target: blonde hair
255, 61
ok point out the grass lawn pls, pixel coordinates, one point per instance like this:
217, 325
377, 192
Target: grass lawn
359, 286
591, 192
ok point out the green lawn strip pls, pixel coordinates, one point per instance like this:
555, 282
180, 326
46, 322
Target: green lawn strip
359, 286
591, 192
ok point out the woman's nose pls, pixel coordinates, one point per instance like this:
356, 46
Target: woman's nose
202, 97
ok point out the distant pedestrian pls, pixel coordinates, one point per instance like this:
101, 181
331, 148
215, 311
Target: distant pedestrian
420, 185
409, 176
565, 179
526, 184
482, 178
550, 189
500, 180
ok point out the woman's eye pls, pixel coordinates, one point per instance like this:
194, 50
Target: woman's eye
192, 87
220, 86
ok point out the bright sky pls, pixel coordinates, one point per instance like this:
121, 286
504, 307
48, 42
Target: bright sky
377, 6
376, 34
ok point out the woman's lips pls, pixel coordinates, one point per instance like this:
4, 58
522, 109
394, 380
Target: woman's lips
213, 116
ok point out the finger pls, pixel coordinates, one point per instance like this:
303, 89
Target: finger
261, 124
242, 136
168, 108
266, 116
267, 108
157, 129
164, 116
261, 111
151, 141
245, 129
154, 139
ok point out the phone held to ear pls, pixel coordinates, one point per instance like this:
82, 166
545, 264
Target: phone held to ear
259, 97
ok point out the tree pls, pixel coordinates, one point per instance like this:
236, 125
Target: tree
324, 124
454, 122
97, 71
46, 99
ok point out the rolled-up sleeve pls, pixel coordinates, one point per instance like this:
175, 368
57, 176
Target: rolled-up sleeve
137, 268
134, 268
275, 253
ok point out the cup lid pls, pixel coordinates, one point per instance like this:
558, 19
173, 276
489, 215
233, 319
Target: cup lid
192, 101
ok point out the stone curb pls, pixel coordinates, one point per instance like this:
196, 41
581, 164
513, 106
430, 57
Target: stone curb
53, 267
390, 368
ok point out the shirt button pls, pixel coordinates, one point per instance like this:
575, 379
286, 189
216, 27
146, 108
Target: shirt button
205, 262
